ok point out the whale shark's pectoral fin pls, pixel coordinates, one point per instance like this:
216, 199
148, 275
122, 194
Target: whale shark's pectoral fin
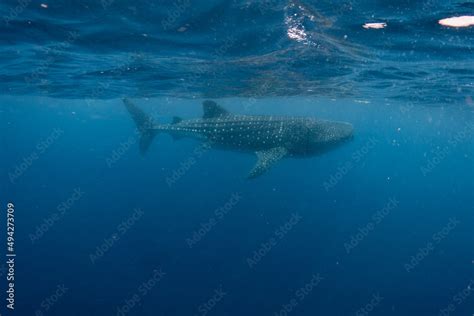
266, 159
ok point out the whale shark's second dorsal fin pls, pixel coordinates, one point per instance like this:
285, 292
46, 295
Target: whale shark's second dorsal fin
212, 110
176, 120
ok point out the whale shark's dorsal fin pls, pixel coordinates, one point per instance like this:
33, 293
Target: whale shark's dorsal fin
266, 159
212, 110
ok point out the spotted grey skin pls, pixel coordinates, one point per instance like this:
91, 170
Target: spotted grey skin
270, 137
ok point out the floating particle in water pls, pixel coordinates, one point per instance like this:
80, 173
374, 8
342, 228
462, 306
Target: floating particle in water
375, 25
44, 5
458, 21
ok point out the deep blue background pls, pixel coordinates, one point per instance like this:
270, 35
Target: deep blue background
405, 141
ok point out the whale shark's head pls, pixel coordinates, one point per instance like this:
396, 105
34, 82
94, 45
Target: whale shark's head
339, 132
325, 135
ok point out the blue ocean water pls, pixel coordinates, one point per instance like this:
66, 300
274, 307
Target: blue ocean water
382, 225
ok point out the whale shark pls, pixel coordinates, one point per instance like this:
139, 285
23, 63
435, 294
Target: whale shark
271, 138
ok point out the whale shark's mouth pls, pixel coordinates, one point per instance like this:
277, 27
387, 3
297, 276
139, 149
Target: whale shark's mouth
345, 131
349, 138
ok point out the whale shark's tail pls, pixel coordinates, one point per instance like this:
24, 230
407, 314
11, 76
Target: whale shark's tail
145, 125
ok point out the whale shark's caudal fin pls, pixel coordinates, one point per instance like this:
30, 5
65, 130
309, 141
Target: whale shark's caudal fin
144, 124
